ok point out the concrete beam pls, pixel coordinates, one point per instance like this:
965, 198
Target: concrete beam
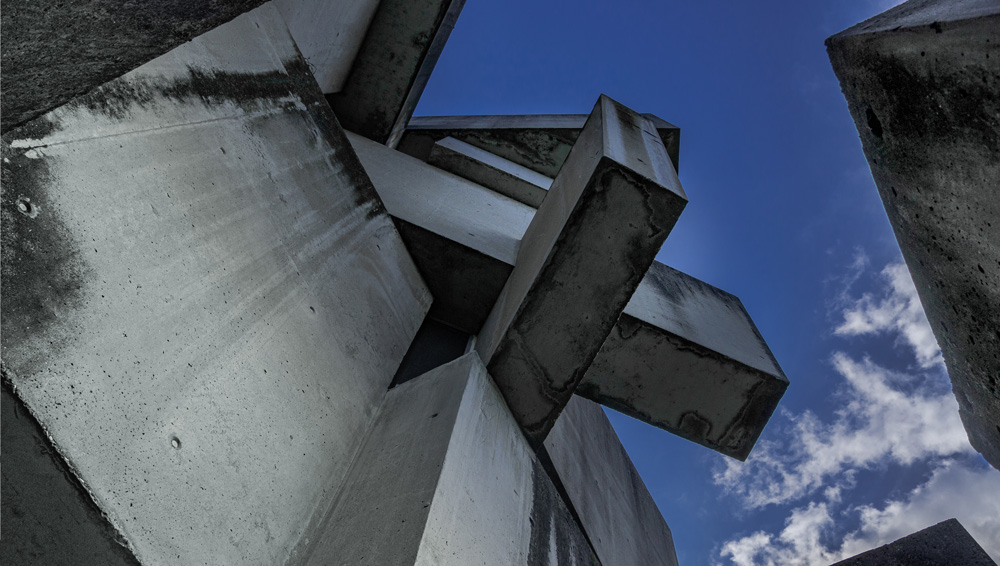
491, 171
52, 53
943, 544
587, 248
922, 82
445, 477
615, 509
204, 299
391, 69
538, 142
686, 357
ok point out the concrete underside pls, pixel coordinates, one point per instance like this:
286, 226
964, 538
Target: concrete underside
204, 299
944, 544
922, 82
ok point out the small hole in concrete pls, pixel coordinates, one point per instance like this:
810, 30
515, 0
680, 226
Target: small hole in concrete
434, 415
25, 207
175, 442
873, 123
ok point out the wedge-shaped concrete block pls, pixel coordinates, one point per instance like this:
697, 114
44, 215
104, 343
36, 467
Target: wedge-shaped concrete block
686, 357
615, 509
610, 208
445, 478
491, 171
944, 544
204, 299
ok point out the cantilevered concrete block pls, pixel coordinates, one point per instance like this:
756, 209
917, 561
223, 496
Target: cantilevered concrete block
590, 243
204, 299
539, 142
399, 51
686, 357
491, 171
616, 511
446, 478
922, 82
944, 544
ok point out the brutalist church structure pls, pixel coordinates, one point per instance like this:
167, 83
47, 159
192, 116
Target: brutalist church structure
255, 314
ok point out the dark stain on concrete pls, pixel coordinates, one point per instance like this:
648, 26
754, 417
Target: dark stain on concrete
550, 519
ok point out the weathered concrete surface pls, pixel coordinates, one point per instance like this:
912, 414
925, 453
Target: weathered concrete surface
538, 142
53, 52
445, 477
203, 297
615, 509
922, 82
48, 518
489, 170
463, 236
587, 248
328, 34
393, 65
686, 357
944, 544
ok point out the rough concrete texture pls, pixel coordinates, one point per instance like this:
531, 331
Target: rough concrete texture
328, 35
399, 51
539, 142
445, 477
922, 82
55, 51
587, 248
48, 518
203, 297
944, 544
615, 509
489, 170
686, 357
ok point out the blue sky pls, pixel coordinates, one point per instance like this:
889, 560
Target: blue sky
866, 446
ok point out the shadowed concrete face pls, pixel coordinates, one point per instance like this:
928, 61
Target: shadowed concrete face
686, 357
588, 246
203, 297
922, 82
470, 491
944, 544
491, 171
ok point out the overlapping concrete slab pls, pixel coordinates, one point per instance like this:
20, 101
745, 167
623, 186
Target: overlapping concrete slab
470, 491
203, 297
587, 248
539, 142
491, 171
686, 357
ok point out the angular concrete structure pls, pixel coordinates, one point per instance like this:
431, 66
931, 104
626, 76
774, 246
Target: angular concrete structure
922, 82
482, 167
943, 544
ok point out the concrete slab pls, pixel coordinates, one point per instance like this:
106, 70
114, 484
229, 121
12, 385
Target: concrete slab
329, 35
616, 511
922, 82
686, 357
204, 300
943, 544
491, 171
52, 53
399, 51
470, 491
584, 253
539, 142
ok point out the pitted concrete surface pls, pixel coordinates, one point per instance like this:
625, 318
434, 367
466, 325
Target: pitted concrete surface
922, 82
205, 300
944, 544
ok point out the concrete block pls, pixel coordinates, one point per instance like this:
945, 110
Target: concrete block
616, 511
399, 51
943, 544
539, 142
52, 53
686, 357
922, 82
583, 255
445, 477
204, 299
491, 171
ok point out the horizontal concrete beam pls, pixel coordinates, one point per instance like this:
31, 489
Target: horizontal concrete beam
445, 477
538, 142
587, 248
686, 357
392, 67
491, 171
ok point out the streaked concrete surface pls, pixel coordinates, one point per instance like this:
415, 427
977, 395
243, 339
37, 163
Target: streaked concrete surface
204, 299
489, 170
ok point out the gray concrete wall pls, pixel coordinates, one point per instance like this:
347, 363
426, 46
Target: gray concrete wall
203, 297
944, 544
922, 82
